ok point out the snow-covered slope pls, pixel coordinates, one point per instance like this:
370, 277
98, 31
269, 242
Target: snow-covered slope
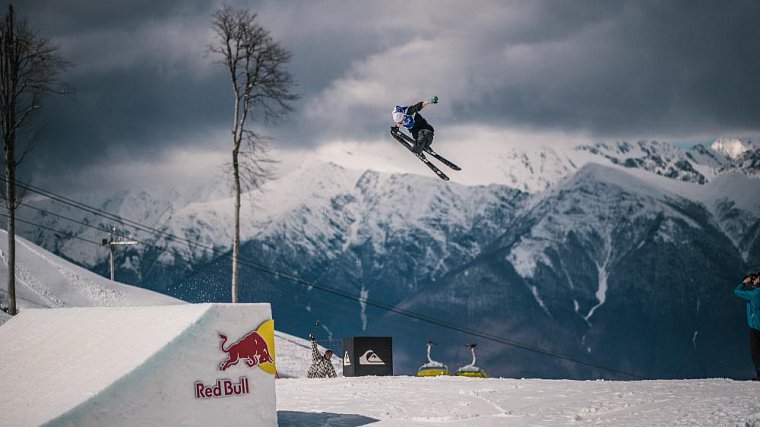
44, 280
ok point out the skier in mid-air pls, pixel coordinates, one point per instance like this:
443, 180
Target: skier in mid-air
422, 135
410, 118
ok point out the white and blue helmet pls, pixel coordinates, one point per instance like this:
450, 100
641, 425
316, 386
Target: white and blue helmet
400, 117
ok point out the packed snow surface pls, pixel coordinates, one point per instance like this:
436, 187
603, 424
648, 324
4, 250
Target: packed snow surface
457, 401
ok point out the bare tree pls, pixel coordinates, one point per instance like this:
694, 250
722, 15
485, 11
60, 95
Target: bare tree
261, 88
29, 65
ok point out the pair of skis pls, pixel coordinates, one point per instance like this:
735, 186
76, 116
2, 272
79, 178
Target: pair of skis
408, 142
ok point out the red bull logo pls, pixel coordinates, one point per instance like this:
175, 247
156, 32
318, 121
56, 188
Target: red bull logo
222, 388
256, 348
252, 348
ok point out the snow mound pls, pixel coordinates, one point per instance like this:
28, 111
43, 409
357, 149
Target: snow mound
137, 365
44, 280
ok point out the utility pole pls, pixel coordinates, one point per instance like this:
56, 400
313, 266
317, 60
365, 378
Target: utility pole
112, 243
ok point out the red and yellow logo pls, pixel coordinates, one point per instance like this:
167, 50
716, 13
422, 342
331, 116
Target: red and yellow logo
256, 348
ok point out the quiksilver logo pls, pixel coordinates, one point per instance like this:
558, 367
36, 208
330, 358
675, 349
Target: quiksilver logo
370, 358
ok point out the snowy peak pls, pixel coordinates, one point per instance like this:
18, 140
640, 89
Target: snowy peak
594, 174
748, 163
590, 207
532, 169
701, 155
657, 157
733, 148
698, 165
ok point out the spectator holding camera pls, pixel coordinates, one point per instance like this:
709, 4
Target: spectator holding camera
749, 290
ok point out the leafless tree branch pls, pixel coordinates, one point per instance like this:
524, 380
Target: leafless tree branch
261, 88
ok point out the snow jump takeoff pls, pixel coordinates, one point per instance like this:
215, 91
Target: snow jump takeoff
422, 133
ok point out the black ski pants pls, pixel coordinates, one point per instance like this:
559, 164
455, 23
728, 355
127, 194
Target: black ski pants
424, 139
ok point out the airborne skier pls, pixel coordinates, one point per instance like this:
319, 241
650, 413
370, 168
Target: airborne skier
410, 118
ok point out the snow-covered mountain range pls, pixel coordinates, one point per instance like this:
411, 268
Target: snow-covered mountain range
624, 254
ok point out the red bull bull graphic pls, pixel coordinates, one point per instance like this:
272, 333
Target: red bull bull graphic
256, 348
252, 348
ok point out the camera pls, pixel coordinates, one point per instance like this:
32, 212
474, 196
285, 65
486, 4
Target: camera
751, 279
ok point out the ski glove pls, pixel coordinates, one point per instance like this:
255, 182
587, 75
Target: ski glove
433, 100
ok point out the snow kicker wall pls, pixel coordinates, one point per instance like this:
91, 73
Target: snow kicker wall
202, 364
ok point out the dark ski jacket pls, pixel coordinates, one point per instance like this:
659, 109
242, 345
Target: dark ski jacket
752, 296
414, 120
320, 367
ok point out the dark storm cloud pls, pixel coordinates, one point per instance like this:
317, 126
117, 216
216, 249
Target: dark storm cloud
649, 67
141, 78
611, 69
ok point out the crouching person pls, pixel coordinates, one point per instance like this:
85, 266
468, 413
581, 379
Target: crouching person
321, 367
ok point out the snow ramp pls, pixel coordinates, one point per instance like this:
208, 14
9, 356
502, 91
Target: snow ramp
190, 364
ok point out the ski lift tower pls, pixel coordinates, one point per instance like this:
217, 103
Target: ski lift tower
112, 244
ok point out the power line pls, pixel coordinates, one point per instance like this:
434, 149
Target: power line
99, 212
53, 230
313, 284
75, 221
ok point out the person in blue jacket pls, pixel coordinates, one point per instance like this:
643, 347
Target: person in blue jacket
749, 290
410, 118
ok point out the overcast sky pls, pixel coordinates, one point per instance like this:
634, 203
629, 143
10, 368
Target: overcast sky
149, 96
